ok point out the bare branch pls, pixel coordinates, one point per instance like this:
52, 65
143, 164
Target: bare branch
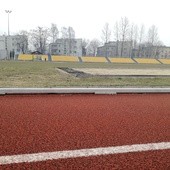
106, 33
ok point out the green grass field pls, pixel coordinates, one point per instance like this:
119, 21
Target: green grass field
46, 74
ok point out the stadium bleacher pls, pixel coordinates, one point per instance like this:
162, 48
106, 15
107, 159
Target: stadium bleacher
38, 57
31, 57
147, 61
64, 58
94, 59
25, 57
121, 60
165, 61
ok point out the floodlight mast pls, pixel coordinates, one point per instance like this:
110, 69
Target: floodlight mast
8, 12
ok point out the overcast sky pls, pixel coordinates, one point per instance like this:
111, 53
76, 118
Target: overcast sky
87, 17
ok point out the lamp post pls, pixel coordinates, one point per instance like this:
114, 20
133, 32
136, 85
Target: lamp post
6, 43
8, 12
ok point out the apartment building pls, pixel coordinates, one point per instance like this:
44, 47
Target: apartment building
71, 47
13, 45
3, 47
152, 52
163, 52
108, 49
115, 49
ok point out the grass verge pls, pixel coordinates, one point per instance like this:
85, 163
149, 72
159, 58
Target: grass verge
46, 74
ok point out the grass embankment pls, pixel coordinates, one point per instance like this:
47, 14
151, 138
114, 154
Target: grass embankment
47, 74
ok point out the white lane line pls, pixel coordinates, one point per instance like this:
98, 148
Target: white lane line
44, 156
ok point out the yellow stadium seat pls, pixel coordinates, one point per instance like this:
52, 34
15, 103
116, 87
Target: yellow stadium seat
65, 58
94, 59
165, 61
121, 60
146, 61
25, 57
30, 57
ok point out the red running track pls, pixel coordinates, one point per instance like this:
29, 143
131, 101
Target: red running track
48, 123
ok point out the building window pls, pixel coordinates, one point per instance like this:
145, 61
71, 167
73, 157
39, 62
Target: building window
54, 46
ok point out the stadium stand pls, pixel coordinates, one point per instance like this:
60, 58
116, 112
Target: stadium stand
65, 58
94, 59
146, 61
31, 57
39, 57
165, 61
25, 57
121, 60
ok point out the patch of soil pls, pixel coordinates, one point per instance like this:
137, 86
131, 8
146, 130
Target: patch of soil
76, 73
81, 74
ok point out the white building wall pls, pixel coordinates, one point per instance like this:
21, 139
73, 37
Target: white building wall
113, 49
3, 44
71, 47
9, 44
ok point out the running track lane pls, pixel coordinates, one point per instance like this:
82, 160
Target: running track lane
48, 123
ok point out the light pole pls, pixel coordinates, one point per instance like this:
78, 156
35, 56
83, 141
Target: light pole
8, 12
6, 43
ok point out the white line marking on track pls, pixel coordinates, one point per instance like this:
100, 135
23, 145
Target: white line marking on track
44, 156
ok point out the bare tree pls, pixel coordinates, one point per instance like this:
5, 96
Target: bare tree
141, 39
124, 28
92, 47
136, 36
116, 33
67, 33
71, 37
153, 35
106, 33
64, 33
22, 42
133, 38
71, 33
84, 46
141, 34
39, 39
54, 33
152, 40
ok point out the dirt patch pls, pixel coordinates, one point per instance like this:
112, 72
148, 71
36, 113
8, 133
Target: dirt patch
93, 72
75, 73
